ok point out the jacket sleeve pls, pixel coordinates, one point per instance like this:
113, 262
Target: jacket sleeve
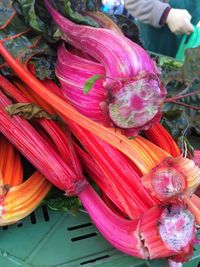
147, 11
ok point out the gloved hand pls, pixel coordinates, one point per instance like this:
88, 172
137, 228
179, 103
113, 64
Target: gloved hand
178, 21
198, 24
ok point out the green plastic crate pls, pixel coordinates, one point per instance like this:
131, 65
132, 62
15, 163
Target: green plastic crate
49, 239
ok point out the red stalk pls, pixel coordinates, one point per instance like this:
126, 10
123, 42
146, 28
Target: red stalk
185, 105
119, 171
38, 151
158, 135
172, 99
116, 185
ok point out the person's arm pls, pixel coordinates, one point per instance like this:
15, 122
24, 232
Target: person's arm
148, 11
157, 14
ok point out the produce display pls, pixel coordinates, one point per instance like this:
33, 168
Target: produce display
97, 117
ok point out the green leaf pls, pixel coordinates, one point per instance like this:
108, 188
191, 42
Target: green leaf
5, 13
185, 146
64, 204
90, 83
23, 48
177, 126
28, 111
72, 10
35, 15
57, 201
191, 68
181, 79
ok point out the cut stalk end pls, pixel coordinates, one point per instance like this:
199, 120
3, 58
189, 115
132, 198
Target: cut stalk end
172, 178
138, 103
177, 227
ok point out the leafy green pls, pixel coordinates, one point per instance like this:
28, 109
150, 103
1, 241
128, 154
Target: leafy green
177, 125
36, 16
57, 201
45, 66
5, 14
27, 46
128, 27
180, 79
185, 146
28, 111
72, 10
90, 83
191, 67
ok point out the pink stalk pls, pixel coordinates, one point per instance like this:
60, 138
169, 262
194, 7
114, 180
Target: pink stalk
196, 157
108, 47
60, 139
181, 96
152, 236
72, 72
135, 92
121, 233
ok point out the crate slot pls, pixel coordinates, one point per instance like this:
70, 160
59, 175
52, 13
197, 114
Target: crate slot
79, 226
83, 237
20, 224
45, 213
95, 259
33, 218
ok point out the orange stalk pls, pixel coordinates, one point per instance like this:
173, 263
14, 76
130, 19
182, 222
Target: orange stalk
11, 167
32, 97
18, 199
21, 200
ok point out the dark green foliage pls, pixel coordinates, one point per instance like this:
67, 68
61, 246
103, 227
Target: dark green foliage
128, 27
36, 16
23, 47
57, 201
180, 79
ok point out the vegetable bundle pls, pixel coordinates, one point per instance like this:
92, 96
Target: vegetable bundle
147, 206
